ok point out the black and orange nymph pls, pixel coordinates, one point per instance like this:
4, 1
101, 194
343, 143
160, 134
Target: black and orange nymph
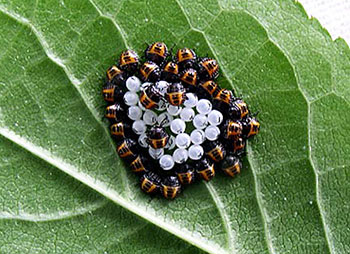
173, 120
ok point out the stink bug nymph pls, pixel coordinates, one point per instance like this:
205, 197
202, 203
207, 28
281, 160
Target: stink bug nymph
232, 129
190, 78
176, 94
156, 52
238, 109
224, 95
112, 93
215, 150
115, 112
120, 130
170, 72
127, 148
205, 169
157, 137
115, 75
239, 145
150, 182
208, 89
129, 61
150, 71
222, 100
231, 165
185, 173
150, 97
208, 69
140, 163
170, 187
251, 127
186, 58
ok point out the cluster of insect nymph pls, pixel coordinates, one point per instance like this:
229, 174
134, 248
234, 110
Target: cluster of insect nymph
173, 124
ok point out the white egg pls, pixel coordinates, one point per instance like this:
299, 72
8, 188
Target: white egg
171, 143
197, 137
162, 105
180, 155
195, 152
212, 132
204, 106
133, 84
183, 140
162, 86
166, 162
200, 121
131, 98
139, 127
145, 85
178, 126
187, 114
141, 106
134, 113
215, 117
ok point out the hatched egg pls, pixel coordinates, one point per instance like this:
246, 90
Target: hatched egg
171, 143
145, 85
177, 126
155, 153
134, 113
183, 140
131, 98
166, 162
162, 86
141, 106
197, 137
200, 121
164, 119
204, 106
161, 105
195, 152
143, 140
212, 132
173, 110
180, 155
215, 117
149, 117
133, 84
139, 127
187, 114
191, 100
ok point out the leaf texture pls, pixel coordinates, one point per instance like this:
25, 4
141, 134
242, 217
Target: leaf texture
292, 194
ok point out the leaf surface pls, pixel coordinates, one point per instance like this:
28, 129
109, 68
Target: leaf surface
292, 194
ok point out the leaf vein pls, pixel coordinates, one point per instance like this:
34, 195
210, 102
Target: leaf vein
60, 215
75, 82
223, 214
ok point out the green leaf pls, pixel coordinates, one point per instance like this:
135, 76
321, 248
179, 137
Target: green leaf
292, 196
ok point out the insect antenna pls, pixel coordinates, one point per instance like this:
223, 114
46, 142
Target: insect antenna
171, 55
255, 113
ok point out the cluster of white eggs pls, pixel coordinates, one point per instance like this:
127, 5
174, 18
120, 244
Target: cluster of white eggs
195, 114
